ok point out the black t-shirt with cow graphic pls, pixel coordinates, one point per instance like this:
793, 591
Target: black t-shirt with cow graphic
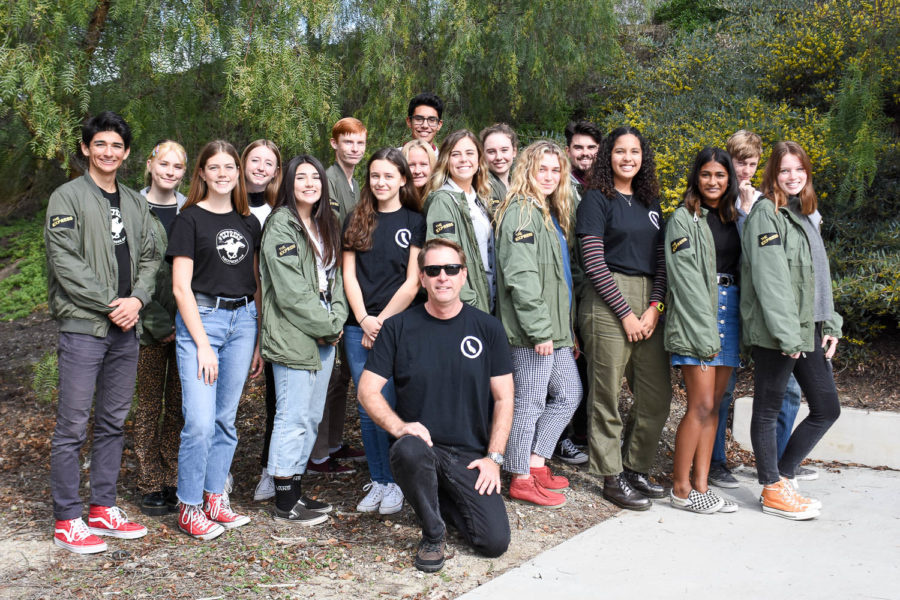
120, 242
222, 248
381, 270
442, 371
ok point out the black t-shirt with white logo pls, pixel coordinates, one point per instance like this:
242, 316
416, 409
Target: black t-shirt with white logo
381, 270
631, 233
120, 242
222, 248
442, 371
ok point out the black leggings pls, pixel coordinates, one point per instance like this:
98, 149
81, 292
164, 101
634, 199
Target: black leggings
770, 376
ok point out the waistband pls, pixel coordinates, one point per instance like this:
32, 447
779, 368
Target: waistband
220, 302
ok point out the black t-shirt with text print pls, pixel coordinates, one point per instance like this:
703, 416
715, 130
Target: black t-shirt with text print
120, 242
442, 372
222, 248
631, 233
381, 270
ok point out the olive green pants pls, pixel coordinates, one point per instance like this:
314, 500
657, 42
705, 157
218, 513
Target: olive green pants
644, 364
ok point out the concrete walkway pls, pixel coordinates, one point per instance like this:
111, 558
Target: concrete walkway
851, 551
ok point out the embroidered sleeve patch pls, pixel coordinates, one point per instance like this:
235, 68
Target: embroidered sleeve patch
62, 222
522, 236
335, 205
680, 244
289, 249
769, 239
440, 227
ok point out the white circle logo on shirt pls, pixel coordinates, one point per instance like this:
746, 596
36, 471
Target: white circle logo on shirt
471, 346
654, 218
402, 237
232, 246
117, 225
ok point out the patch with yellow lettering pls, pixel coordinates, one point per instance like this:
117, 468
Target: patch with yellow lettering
440, 227
681, 243
335, 205
521, 236
769, 239
288, 249
62, 222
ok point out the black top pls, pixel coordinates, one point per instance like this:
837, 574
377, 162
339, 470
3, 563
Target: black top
120, 242
442, 372
166, 214
222, 248
631, 234
381, 270
256, 199
728, 243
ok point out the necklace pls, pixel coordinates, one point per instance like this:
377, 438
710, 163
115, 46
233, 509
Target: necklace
625, 197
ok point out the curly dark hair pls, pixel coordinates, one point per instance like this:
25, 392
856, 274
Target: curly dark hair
644, 185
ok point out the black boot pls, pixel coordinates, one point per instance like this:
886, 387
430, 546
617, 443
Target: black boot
617, 490
642, 483
170, 493
154, 504
309, 503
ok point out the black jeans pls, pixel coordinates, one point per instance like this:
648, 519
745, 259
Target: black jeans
439, 487
770, 376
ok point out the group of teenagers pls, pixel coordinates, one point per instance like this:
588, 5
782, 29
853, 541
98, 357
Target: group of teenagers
286, 269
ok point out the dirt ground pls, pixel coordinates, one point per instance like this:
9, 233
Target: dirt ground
350, 556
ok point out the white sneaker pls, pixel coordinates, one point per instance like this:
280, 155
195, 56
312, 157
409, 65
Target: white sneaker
265, 489
373, 499
392, 501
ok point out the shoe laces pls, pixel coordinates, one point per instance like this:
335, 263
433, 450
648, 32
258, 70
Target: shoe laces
79, 531
569, 447
393, 493
373, 488
117, 516
195, 516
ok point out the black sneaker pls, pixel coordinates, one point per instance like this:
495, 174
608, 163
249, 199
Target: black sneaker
300, 515
315, 505
568, 452
430, 556
721, 477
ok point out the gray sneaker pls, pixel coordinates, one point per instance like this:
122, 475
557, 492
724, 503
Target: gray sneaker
568, 452
805, 474
721, 477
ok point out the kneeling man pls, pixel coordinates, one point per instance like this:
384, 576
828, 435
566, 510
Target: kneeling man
452, 372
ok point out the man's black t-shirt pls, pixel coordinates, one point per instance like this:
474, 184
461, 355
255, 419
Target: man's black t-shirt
381, 270
222, 248
631, 234
442, 372
120, 242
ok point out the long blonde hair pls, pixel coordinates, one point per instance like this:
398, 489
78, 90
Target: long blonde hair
271, 191
481, 183
523, 184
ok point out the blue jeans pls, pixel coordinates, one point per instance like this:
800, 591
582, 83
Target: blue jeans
299, 402
789, 408
209, 436
375, 439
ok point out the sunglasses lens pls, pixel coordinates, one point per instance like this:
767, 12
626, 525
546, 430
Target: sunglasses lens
452, 269
435, 270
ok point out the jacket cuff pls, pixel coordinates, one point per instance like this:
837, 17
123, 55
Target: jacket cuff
141, 295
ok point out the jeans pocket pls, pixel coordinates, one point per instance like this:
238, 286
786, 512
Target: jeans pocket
206, 310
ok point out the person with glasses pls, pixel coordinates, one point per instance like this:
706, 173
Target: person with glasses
423, 117
453, 379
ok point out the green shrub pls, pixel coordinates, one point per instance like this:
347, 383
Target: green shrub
24, 263
688, 15
45, 378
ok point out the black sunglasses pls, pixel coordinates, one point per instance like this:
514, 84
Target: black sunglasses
435, 270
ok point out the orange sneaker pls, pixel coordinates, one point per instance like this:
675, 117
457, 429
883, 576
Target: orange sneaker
548, 480
529, 491
781, 500
812, 502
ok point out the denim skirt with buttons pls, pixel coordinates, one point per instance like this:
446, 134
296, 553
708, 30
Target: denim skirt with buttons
728, 321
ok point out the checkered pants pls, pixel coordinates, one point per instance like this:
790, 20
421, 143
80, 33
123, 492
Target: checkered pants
548, 391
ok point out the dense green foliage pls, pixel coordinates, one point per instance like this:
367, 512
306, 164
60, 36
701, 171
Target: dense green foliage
22, 254
688, 15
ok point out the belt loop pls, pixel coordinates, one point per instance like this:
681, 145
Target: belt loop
217, 302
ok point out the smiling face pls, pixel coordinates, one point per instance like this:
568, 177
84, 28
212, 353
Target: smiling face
420, 167
499, 153
307, 187
463, 163
105, 153
166, 171
220, 174
385, 181
791, 175
582, 151
443, 289
261, 166
712, 182
625, 158
424, 123
548, 173
349, 148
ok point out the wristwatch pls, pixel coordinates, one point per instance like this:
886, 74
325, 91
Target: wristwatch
496, 457
658, 306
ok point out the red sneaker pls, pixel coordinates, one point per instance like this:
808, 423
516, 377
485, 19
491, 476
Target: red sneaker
195, 523
112, 521
529, 491
348, 453
548, 480
329, 467
74, 535
218, 509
